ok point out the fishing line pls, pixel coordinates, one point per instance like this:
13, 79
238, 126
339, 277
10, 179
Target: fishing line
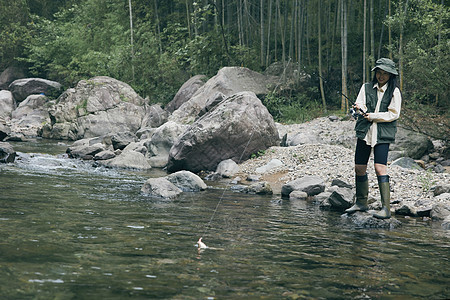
208, 226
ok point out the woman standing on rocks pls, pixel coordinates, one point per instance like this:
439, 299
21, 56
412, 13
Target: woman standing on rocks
378, 104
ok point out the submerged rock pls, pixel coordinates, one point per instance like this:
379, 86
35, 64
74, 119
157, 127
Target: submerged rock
161, 188
366, 220
187, 181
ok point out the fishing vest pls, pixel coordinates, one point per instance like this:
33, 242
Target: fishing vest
385, 130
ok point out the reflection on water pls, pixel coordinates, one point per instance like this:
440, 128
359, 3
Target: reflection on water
72, 231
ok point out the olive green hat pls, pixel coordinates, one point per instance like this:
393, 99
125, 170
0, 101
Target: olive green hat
386, 64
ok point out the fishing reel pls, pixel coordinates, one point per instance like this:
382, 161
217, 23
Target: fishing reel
355, 113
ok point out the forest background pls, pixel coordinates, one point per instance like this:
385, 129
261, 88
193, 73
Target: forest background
326, 48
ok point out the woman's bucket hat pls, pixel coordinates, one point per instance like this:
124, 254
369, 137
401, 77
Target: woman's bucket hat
386, 64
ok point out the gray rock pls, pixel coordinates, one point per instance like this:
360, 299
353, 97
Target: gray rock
122, 139
407, 163
161, 141
186, 91
333, 118
312, 185
366, 220
341, 198
5, 131
211, 103
7, 153
155, 116
145, 133
227, 168
9, 75
406, 209
441, 189
137, 147
104, 155
160, 188
127, 160
274, 163
340, 183
96, 107
438, 168
260, 188
7, 104
240, 126
85, 151
30, 116
22, 88
411, 144
441, 209
446, 223
304, 138
253, 177
187, 181
228, 81
298, 195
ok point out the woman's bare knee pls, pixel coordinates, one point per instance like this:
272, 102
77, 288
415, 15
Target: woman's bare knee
360, 170
380, 169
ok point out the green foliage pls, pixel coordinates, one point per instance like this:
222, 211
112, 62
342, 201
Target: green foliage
258, 154
14, 16
292, 109
426, 181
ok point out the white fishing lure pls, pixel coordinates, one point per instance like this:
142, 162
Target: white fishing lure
200, 244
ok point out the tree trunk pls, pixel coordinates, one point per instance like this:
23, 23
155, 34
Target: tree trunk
389, 32
268, 33
344, 101
364, 40
188, 18
131, 40
319, 54
261, 12
158, 27
372, 37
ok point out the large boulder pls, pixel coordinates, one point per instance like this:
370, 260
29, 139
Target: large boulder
96, 107
9, 75
22, 88
30, 116
240, 126
228, 81
186, 91
7, 153
7, 104
410, 144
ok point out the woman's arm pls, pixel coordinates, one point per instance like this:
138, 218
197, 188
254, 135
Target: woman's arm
360, 102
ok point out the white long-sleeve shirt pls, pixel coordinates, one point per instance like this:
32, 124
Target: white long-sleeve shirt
392, 114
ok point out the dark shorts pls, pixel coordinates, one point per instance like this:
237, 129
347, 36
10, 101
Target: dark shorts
362, 153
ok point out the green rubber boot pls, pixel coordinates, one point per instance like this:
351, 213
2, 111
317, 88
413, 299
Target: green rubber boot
362, 193
385, 192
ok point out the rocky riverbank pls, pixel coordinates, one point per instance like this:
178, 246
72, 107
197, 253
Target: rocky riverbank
221, 125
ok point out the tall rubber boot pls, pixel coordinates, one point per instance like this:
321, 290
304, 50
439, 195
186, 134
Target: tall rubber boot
362, 193
385, 192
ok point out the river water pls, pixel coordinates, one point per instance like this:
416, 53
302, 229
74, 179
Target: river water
73, 231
